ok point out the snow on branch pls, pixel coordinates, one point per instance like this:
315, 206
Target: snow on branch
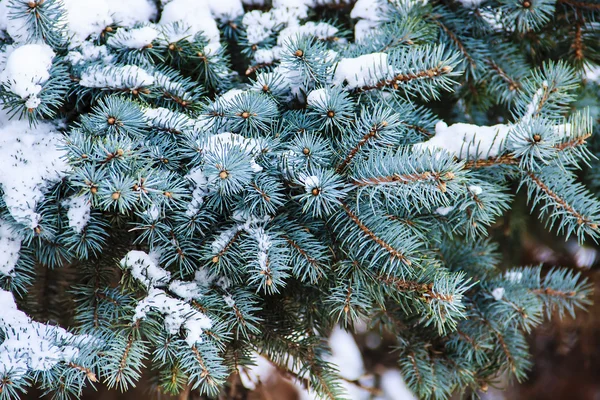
177, 313
33, 346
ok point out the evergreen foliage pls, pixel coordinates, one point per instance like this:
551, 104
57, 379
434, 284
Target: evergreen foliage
200, 182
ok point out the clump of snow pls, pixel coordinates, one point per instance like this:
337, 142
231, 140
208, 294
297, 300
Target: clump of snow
224, 238
89, 18
153, 212
320, 30
226, 10
116, 77
10, 245
144, 268
186, 290
131, 12
204, 277
133, 38
467, 140
253, 226
317, 97
267, 56
229, 301
86, 19
476, 190
264, 244
311, 182
229, 95
513, 276
197, 16
498, 293
78, 212
363, 28
535, 101
88, 52
30, 345
366, 70
32, 160
443, 211
367, 9
27, 69
177, 315
199, 185
260, 25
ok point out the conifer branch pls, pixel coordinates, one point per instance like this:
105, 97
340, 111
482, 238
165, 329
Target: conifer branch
371, 235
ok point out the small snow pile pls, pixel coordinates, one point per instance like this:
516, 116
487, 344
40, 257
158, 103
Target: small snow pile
10, 245
476, 190
311, 182
89, 18
88, 52
27, 69
78, 212
199, 16
116, 77
254, 226
318, 97
513, 276
443, 211
86, 19
498, 293
144, 268
367, 70
199, 186
137, 38
264, 244
370, 13
30, 345
32, 161
321, 30
481, 142
131, 12
177, 314
186, 290
467, 140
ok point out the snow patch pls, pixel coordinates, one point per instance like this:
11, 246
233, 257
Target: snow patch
467, 140
318, 97
78, 212
10, 245
30, 345
443, 211
144, 268
27, 69
177, 315
366, 70
32, 161
137, 38
116, 77
498, 293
